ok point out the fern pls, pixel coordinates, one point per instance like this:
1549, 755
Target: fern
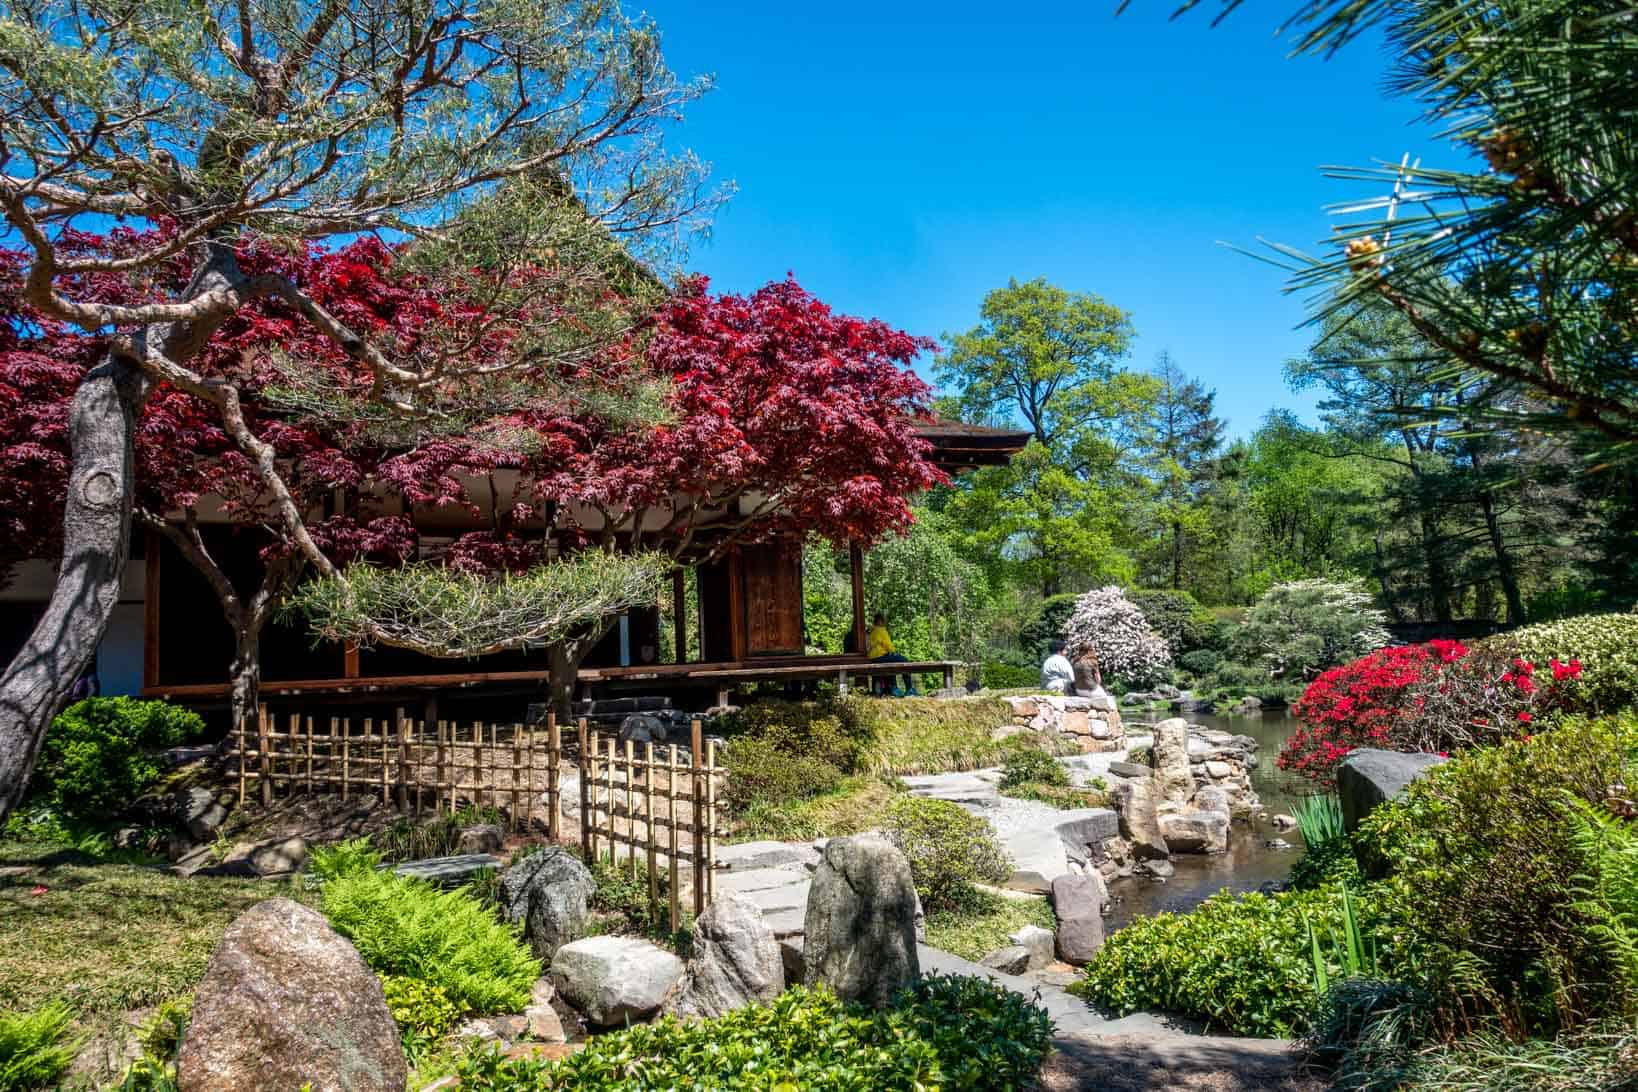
35, 1048
1607, 894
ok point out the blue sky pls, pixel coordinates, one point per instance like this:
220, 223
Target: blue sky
903, 158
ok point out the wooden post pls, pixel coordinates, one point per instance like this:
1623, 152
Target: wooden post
710, 820
402, 793
855, 556
309, 756
631, 805
242, 760
585, 800
554, 784
648, 819
614, 834
349, 660
671, 803
477, 764
588, 777
294, 753
263, 759
346, 756
443, 768
695, 737
517, 761
330, 753
679, 612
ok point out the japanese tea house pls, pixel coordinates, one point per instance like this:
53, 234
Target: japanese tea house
166, 639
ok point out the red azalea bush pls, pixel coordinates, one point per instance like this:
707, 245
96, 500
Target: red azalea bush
1435, 697
1359, 704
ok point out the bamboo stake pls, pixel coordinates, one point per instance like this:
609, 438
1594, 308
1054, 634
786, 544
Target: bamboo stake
263, 759
309, 756
401, 792
585, 803
517, 761
554, 779
710, 820
438, 789
529, 778
477, 763
330, 754
346, 756
614, 835
242, 760
671, 802
631, 807
694, 757
648, 818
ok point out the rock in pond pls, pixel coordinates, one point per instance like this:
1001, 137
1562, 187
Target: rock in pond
287, 1001
1196, 831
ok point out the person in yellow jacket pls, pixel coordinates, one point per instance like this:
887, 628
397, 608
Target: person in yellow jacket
879, 648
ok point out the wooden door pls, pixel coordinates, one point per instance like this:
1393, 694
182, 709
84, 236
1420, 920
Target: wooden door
773, 598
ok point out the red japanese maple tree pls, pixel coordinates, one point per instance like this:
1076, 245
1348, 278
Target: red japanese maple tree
788, 418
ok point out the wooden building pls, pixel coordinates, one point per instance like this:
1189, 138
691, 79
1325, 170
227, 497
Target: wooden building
168, 639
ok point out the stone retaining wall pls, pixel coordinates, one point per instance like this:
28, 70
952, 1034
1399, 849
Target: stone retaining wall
1093, 721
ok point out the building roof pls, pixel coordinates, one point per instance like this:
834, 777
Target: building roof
959, 446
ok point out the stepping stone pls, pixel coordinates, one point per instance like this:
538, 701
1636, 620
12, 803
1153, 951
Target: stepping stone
448, 871
958, 788
775, 899
757, 855
759, 879
787, 923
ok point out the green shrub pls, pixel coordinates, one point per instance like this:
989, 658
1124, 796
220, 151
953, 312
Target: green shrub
1037, 767
948, 848
1178, 617
621, 901
410, 929
830, 730
1606, 645
35, 1048
1299, 629
1241, 963
406, 839
1482, 855
953, 1033
100, 754
760, 771
1035, 636
421, 1008
161, 1035
1200, 662
999, 676
1330, 862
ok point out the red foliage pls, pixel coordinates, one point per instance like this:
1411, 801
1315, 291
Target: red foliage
799, 417
1359, 704
1438, 697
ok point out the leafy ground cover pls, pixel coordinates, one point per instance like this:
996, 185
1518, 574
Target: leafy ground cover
986, 923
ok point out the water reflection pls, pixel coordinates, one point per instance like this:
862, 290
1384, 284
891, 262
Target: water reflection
1248, 864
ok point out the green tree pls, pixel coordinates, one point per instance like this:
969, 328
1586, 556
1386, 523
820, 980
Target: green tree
1183, 435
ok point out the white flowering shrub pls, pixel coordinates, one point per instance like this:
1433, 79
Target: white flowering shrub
1299, 629
1112, 628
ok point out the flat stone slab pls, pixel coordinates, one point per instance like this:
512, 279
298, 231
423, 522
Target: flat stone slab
772, 900
1088, 826
1038, 858
787, 923
448, 871
1122, 768
759, 879
747, 856
959, 788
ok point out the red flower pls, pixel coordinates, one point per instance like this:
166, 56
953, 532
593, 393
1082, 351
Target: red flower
1525, 718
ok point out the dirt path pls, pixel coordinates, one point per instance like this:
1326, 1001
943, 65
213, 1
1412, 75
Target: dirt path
1173, 1063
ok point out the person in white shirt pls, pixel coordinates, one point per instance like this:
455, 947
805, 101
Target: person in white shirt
1057, 673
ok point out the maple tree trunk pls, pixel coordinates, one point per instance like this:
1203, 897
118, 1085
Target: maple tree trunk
245, 675
96, 539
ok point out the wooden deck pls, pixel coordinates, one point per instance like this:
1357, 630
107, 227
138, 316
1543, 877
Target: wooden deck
724, 677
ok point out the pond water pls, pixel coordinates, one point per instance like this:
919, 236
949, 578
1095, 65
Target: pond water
1248, 864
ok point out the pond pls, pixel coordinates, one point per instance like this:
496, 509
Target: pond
1249, 863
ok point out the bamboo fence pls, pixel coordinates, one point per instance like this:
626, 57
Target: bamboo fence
653, 803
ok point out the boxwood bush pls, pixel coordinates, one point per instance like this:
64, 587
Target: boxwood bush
947, 1032
410, 929
1606, 645
949, 850
101, 753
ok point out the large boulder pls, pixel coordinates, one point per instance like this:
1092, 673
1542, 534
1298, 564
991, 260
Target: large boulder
1136, 806
286, 1002
1171, 761
1078, 902
736, 961
1196, 831
547, 893
1368, 777
1038, 942
860, 924
1038, 857
615, 979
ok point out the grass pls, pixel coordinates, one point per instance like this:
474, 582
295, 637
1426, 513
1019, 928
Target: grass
989, 924
1058, 796
107, 937
858, 805
931, 735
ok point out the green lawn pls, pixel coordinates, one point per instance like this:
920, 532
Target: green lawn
974, 934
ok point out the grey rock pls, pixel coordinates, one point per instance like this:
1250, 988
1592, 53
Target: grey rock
1122, 768
1369, 777
1087, 826
543, 1024
735, 962
1038, 858
614, 979
1078, 902
286, 1001
1013, 959
860, 923
1218, 769
1211, 798
200, 812
791, 957
1283, 822
448, 871
1156, 870
1196, 831
283, 857
1136, 802
1171, 751
1167, 691
1041, 944
547, 893
480, 838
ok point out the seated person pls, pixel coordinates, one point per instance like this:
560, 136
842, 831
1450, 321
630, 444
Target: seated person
1057, 673
879, 648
